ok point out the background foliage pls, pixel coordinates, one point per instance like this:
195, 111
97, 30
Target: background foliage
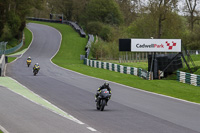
110, 19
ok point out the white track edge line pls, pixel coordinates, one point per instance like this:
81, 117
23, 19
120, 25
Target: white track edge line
3, 129
91, 129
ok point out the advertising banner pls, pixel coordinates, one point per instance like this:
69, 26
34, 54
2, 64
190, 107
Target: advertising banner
156, 45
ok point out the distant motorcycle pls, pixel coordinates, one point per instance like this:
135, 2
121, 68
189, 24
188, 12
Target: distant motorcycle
36, 69
28, 62
102, 99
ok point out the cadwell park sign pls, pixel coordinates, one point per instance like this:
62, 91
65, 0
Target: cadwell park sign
150, 45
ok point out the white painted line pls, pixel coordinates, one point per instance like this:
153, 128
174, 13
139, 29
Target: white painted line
3, 129
91, 129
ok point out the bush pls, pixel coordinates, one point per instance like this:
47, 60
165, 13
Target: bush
197, 72
6, 35
94, 27
14, 23
105, 11
106, 33
105, 50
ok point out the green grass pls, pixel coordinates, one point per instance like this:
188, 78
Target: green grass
69, 57
27, 41
10, 59
1, 131
143, 65
12, 43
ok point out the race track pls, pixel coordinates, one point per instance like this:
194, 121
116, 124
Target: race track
129, 110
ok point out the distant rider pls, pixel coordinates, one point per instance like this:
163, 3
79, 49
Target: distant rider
29, 58
36, 66
104, 86
28, 61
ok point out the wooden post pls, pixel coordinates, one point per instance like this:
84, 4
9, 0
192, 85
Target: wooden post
136, 57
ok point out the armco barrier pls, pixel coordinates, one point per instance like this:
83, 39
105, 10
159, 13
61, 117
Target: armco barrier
76, 27
89, 44
11, 50
118, 68
73, 24
2, 65
188, 78
44, 20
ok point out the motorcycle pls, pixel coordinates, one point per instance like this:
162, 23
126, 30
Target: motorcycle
35, 70
102, 99
28, 62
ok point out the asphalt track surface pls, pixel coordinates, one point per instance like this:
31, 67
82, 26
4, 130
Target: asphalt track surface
19, 115
129, 110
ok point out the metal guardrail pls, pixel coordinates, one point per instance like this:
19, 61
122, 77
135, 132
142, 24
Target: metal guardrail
11, 50
2, 64
89, 44
76, 27
73, 24
44, 20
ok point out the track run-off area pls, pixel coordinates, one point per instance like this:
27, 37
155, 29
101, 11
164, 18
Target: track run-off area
130, 110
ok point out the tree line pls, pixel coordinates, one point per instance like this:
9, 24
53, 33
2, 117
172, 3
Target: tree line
13, 17
112, 19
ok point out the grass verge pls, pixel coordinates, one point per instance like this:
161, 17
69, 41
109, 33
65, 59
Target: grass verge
10, 59
69, 57
27, 41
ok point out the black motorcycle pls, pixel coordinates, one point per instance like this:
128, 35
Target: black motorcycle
102, 99
35, 71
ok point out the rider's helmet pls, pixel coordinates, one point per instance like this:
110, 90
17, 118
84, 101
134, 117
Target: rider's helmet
37, 64
29, 57
106, 84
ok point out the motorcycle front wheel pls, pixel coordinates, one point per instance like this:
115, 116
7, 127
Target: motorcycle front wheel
102, 105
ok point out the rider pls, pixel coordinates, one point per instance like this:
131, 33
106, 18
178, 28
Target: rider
29, 58
28, 61
104, 86
36, 66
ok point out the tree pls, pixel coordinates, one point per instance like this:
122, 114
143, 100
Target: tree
106, 11
161, 9
79, 7
13, 15
191, 8
153, 23
128, 9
